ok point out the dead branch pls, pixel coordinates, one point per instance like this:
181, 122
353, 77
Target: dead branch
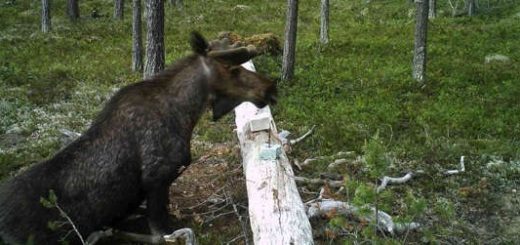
309, 160
240, 220
318, 208
94, 237
69, 220
331, 183
234, 239
392, 180
297, 164
336, 163
186, 233
457, 171
294, 141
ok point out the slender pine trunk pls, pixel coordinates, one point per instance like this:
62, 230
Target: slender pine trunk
324, 22
471, 7
421, 29
46, 16
137, 37
432, 13
177, 3
119, 9
289, 47
73, 9
154, 38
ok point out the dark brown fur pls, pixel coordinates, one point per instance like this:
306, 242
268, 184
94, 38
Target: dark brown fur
132, 152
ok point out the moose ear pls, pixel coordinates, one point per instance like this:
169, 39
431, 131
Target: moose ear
198, 43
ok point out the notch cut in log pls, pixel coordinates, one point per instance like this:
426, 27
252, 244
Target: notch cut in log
276, 211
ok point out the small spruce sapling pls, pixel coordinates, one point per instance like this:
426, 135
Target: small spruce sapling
377, 163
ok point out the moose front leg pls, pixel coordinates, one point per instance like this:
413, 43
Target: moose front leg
157, 211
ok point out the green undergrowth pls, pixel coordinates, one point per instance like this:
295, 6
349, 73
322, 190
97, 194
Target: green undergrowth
353, 88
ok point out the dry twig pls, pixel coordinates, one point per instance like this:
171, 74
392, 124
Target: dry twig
294, 141
457, 171
317, 208
392, 180
331, 183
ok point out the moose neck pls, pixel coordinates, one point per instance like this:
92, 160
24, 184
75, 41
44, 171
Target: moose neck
187, 93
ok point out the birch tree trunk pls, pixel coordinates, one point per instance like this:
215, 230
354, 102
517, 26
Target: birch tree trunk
324, 22
154, 38
119, 8
432, 13
137, 37
421, 28
289, 46
46, 16
276, 211
73, 9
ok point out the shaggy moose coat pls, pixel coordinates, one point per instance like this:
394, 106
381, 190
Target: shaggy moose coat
136, 147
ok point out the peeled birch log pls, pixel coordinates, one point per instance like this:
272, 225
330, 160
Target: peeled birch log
276, 211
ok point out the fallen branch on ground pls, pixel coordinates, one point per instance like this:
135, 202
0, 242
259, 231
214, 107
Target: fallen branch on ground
294, 141
392, 180
240, 220
341, 160
331, 183
186, 233
457, 171
318, 208
336, 163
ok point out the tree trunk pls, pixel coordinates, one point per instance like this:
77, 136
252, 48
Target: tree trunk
46, 16
177, 3
154, 38
289, 46
471, 7
324, 22
137, 37
73, 9
432, 13
421, 28
276, 211
119, 8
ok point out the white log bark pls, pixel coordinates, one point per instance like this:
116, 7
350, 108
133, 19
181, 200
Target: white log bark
276, 211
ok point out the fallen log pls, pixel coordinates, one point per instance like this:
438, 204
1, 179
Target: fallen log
276, 211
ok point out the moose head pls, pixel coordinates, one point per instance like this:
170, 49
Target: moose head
230, 84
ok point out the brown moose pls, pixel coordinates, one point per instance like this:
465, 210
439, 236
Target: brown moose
136, 147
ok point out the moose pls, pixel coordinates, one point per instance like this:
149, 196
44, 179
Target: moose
135, 148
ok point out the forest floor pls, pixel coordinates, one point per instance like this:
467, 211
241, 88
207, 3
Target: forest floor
357, 89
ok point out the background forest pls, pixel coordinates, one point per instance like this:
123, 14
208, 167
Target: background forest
357, 89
